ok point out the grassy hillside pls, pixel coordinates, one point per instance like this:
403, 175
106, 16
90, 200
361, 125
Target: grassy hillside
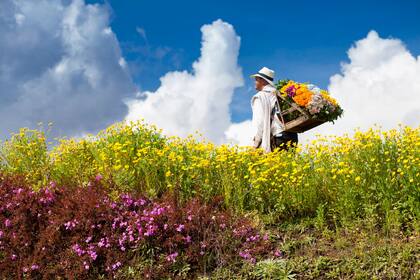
338, 208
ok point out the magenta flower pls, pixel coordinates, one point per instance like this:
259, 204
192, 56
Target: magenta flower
172, 257
71, 224
180, 228
278, 253
291, 91
98, 177
93, 255
79, 251
35, 267
18, 191
188, 239
7, 223
116, 265
246, 255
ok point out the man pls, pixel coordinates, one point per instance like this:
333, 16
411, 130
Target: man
268, 128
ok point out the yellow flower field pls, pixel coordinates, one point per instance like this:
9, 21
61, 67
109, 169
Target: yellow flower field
342, 178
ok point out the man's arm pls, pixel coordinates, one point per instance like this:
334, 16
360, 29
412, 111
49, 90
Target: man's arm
257, 122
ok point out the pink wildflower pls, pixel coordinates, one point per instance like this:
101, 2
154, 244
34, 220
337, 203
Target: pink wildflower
180, 228
172, 257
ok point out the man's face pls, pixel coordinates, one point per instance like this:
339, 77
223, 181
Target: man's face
260, 83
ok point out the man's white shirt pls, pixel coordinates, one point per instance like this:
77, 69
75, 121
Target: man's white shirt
262, 105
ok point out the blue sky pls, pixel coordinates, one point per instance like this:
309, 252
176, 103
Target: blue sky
302, 40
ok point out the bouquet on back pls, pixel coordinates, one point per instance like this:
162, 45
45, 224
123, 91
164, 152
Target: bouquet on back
304, 106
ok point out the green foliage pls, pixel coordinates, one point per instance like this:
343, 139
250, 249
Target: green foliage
328, 188
372, 176
273, 269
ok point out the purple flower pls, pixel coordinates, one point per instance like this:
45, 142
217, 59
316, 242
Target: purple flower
13, 257
71, 224
101, 243
93, 255
253, 238
1, 233
150, 230
180, 228
18, 191
116, 265
291, 91
246, 255
188, 239
98, 177
7, 223
35, 267
79, 251
172, 257
278, 253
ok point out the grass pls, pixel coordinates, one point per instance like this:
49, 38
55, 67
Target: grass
341, 207
355, 252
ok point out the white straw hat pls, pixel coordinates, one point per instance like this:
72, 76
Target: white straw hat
266, 74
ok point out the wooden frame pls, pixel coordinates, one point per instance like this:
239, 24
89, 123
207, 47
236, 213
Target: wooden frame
300, 124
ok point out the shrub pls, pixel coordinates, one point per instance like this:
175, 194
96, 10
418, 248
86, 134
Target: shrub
80, 233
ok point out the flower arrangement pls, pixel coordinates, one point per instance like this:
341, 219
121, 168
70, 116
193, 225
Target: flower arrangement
315, 101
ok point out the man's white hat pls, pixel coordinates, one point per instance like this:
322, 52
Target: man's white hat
266, 74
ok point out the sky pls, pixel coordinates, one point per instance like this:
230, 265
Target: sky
185, 65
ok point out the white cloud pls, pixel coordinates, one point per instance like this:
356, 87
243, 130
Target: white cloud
379, 86
60, 62
142, 33
240, 133
186, 102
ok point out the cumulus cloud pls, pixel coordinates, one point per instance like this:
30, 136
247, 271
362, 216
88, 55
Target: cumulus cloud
240, 133
380, 85
60, 62
186, 102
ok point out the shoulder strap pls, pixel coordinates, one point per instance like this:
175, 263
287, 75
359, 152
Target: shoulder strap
276, 112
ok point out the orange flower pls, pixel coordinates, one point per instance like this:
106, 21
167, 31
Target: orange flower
303, 98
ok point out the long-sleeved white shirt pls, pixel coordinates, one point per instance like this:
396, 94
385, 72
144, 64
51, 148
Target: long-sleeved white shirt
262, 105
